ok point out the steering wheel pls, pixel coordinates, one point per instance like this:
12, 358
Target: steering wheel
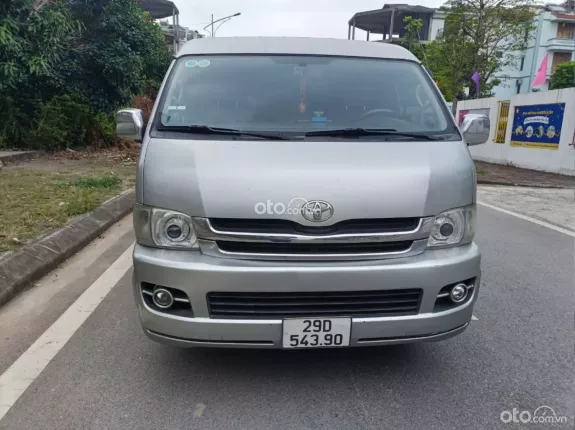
418, 96
374, 112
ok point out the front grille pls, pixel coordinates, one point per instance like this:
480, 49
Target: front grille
352, 226
313, 248
276, 239
277, 305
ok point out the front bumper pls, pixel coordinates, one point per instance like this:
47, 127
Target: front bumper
198, 274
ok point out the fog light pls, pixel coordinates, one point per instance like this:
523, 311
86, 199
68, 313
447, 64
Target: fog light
446, 229
163, 298
458, 293
174, 231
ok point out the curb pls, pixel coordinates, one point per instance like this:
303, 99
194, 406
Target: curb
511, 184
23, 156
22, 267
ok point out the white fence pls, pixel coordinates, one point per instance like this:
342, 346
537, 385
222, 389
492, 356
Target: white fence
538, 131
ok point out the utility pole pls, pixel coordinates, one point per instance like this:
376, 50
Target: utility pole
221, 20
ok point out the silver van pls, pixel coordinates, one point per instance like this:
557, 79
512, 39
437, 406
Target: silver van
303, 193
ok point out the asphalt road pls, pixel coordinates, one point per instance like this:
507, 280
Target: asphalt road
518, 354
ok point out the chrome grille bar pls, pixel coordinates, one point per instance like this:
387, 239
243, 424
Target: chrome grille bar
210, 247
206, 231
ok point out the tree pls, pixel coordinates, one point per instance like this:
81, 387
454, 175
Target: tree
120, 50
33, 40
67, 65
449, 57
563, 76
411, 38
498, 31
484, 36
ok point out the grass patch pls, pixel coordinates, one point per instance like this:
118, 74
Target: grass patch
97, 182
480, 171
85, 203
34, 202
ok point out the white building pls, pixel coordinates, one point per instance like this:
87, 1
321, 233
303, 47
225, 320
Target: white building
554, 35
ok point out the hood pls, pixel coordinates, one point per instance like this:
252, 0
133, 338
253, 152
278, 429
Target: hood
256, 179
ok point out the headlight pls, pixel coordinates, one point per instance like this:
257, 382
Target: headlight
453, 227
163, 228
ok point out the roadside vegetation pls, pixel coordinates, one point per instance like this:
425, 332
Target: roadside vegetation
40, 196
67, 65
563, 76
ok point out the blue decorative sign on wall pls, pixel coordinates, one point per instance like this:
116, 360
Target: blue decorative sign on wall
537, 126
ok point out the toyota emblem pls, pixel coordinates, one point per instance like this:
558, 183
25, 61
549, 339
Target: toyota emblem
317, 211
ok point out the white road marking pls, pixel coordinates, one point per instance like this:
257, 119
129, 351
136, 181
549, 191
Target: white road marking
474, 318
527, 218
18, 377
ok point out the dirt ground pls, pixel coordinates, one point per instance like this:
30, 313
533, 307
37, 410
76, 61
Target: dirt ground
511, 175
85, 160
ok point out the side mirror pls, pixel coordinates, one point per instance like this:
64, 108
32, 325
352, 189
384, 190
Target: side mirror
130, 124
475, 129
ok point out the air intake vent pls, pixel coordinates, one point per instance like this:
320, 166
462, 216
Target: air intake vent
277, 305
313, 248
352, 226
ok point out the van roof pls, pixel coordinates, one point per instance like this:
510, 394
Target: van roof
294, 46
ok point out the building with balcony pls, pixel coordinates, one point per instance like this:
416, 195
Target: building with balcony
174, 33
387, 25
554, 35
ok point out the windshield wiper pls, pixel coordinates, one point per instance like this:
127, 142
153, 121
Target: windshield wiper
356, 132
205, 129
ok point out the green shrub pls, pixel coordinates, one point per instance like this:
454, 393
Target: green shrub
563, 76
63, 122
15, 120
106, 126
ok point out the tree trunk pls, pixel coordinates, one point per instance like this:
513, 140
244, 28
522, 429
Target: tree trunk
454, 100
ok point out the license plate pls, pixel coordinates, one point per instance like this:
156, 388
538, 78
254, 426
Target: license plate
316, 332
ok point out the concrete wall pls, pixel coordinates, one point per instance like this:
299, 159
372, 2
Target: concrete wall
561, 160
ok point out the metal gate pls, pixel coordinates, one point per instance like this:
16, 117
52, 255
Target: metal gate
502, 115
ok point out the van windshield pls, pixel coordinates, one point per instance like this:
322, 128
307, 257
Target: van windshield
302, 94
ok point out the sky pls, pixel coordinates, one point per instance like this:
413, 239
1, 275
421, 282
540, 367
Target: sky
313, 18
